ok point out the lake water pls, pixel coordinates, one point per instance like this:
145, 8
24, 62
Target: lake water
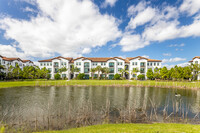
26, 102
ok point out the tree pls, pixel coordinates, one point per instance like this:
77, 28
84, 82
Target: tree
163, 73
57, 76
2, 74
195, 68
150, 74
156, 73
98, 69
123, 71
63, 69
140, 77
187, 73
135, 71
92, 70
81, 76
17, 72
116, 76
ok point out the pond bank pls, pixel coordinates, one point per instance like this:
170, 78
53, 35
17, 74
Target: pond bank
128, 83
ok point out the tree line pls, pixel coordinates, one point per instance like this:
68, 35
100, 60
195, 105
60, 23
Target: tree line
175, 73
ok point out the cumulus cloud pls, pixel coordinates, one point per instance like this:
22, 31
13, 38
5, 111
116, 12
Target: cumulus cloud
66, 27
160, 24
171, 60
11, 51
146, 56
190, 6
110, 3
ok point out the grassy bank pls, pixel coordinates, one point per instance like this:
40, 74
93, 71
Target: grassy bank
167, 84
135, 128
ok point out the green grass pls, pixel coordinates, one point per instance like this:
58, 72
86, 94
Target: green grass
134, 128
168, 84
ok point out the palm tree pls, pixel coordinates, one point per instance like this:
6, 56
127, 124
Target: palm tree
93, 70
195, 68
1, 73
76, 69
98, 69
123, 71
106, 71
63, 69
134, 71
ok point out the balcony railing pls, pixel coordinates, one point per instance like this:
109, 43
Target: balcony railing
55, 65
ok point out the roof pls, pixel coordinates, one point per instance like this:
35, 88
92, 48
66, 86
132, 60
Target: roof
12, 59
24, 61
49, 60
196, 57
99, 59
140, 57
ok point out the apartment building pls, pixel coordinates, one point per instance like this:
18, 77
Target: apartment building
196, 60
115, 64
54, 64
7, 62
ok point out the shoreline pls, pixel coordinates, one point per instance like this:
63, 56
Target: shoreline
111, 83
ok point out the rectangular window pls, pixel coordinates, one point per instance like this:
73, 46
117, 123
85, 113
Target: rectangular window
148, 64
101, 63
111, 64
154, 64
111, 70
65, 63
50, 64
40, 64
62, 63
196, 62
151, 64
121, 63
44, 64
118, 63
47, 64
136, 63
79, 63
142, 70
86, 70
50, 70
104, 63
133, 63
158, 64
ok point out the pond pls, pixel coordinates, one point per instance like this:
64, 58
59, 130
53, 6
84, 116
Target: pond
29, 103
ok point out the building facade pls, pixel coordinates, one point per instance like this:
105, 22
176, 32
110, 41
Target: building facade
115, 64
7, 62
196, 60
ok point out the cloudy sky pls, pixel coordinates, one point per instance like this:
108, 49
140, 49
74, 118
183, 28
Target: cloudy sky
159, 29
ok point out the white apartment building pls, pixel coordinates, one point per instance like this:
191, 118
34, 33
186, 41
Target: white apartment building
196, 60
115, 64
54, 64
7, 62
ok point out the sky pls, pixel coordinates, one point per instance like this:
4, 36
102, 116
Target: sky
168, 30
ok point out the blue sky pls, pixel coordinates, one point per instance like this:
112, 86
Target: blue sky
158, 29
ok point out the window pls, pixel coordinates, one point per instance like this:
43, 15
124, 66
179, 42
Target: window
151, 64
142, 70
86, 64
44, 64
136, 63
111, 64
118, 63
86, 70
50, 70
119, 69
154, 64
196, 62
121, 63
158, 64
65, 63
142, 64
148, 64
79, 63
133, 63
111, 70
104, 63
62, 63
40, 64
47, 64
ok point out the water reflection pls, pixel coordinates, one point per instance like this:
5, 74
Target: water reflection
29, 101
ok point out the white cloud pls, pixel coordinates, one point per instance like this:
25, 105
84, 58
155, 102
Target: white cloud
28, 9
11, 51
110, 3
177, 45
167, 54
171, 60
190, 6
145, 56
160, 24
181, 64
132, 42
67, 27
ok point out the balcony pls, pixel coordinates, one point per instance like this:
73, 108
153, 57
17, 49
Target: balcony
55, 65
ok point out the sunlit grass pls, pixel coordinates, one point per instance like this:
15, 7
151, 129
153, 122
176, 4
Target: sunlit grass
134, 128
167, 84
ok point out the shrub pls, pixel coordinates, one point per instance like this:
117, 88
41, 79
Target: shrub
141, 77
48, 76
57, 76
81, 76
116, 76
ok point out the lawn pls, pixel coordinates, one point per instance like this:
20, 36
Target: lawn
134, 128
167, 84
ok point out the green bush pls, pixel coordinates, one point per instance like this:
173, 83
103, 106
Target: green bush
141, 77
57, 76
117, 76
81, 76
48, 76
